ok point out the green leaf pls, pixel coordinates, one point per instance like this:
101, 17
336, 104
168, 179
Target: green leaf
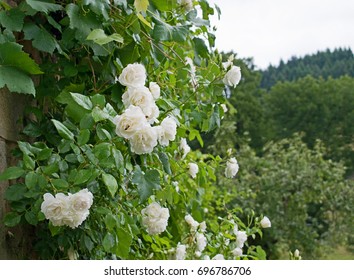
146, 182
165, 32
14, 67
110, 221
63, 130
164, 5
44, 7
165, 162
82, 176
141, 5
124, 241
41, 38
84, 22
82, 100
12, 219
110, 182
99, 7
143, 20
89, 245
60, 184
98, 100
16, 80
11, 173
83, 137
99, 37
108, 242
99, 115
12, 19
119, 160
28, 162
15, 192
31, 218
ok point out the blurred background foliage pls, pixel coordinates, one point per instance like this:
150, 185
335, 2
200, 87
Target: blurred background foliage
292, 128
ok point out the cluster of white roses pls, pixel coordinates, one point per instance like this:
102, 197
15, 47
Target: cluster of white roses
141, 111
155, 218
70, 210
200, 240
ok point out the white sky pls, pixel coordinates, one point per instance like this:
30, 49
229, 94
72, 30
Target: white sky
269, 30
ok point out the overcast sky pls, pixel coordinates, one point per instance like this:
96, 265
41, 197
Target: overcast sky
269, 30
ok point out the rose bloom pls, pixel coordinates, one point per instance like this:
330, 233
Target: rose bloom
191, 222
201, 241
181, 252
231, 168
142, 97
167, 131
130, 122
151, 112
233, 76
184, 147
56, 209
193, 169
155, 90
187, 4
237, 252
155, 218
134, 75
80, 204
144, 141
224, 108
138, 96
265, 222
241, 238
218, 257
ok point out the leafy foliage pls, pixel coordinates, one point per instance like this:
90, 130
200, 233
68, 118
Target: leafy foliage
83, 46
323, 64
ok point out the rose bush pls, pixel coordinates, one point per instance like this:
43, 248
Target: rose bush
105, 167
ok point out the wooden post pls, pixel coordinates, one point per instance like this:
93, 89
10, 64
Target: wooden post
11, 112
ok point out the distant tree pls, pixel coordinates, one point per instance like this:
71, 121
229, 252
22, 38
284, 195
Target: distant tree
322, 109
322, 64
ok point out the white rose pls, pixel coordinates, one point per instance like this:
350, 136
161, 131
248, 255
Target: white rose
184, 147
142, 97
155, 90
201, 241
56, 209
155, 218
138, 96
218, 257
134, 75
237, 252
233, 76
180, 252
80, 204
224, 108
187, 4
265, 222
231, 168
151, 112
144, 140
130, 122
202, 226
191, 222
297, 253
241, 238
193, 169
168, 131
